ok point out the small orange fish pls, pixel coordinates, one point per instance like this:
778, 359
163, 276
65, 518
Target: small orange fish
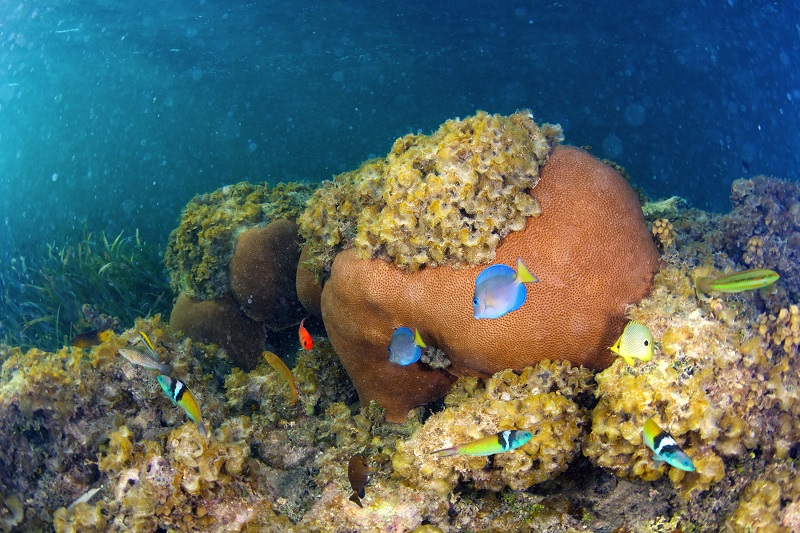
305, 337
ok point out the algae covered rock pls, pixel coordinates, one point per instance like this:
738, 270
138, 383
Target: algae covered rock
533, 400
446, 198
201, 247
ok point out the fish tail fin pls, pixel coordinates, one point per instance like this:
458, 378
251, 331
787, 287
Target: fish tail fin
356, 500
418, 339
201, 428
523, 274
703, 285
446, 452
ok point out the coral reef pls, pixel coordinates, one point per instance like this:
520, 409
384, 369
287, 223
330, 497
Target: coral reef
771, 503
540, 400
763, 229
722, 383
200, 248
590, 249
443, 199
220, 321
234, 258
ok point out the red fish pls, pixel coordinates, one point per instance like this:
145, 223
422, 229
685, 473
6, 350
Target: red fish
305, 337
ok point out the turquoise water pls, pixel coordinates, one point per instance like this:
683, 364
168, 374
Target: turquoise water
114, 114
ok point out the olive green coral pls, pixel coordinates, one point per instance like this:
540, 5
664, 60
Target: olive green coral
445, 198
540, 400
200, 248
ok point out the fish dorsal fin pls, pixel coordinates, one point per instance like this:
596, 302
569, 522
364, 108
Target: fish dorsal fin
495, 271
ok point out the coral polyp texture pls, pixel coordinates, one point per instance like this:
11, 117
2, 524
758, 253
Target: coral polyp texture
590, 249
540, 400
446, 198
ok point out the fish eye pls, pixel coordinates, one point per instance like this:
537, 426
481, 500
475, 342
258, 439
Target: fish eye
646, 342
475, 301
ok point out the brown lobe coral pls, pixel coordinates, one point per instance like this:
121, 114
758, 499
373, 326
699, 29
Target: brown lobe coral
262, 272
220, 321
590, 248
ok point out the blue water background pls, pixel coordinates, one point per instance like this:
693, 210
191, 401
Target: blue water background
114, 114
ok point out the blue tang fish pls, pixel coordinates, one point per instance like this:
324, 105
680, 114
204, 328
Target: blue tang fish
405, 347
500, 290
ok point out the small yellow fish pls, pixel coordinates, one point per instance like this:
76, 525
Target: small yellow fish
91, 338
747, 280
635, 341
284, 371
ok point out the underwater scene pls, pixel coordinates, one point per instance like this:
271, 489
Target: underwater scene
431, 267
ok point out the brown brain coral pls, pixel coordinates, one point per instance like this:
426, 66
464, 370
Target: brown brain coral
590, 248
446, 198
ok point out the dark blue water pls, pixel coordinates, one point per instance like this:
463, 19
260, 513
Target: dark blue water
114, 114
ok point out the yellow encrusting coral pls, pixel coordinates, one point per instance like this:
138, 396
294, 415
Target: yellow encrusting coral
718, 386
663, 233
445, 198
539, 400
770, 503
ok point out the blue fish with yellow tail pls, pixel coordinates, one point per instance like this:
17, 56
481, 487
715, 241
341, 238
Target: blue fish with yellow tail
635, 341
664, 447
500, 290
179, 393
501, 442
405, 346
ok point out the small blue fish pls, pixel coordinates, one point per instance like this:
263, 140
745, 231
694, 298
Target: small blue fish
405, 347
500, 290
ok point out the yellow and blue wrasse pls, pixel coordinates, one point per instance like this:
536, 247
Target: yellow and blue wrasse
278, 364
664, 447
91, 338
405, 346
635, 341
500, 290
143, 358
747, 280
358, 473
501, 442
179, 393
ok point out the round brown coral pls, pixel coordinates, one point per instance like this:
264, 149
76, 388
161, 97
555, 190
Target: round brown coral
263, 270
220, 321
590, 249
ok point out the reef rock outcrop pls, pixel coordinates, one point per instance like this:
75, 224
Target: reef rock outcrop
589, 247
